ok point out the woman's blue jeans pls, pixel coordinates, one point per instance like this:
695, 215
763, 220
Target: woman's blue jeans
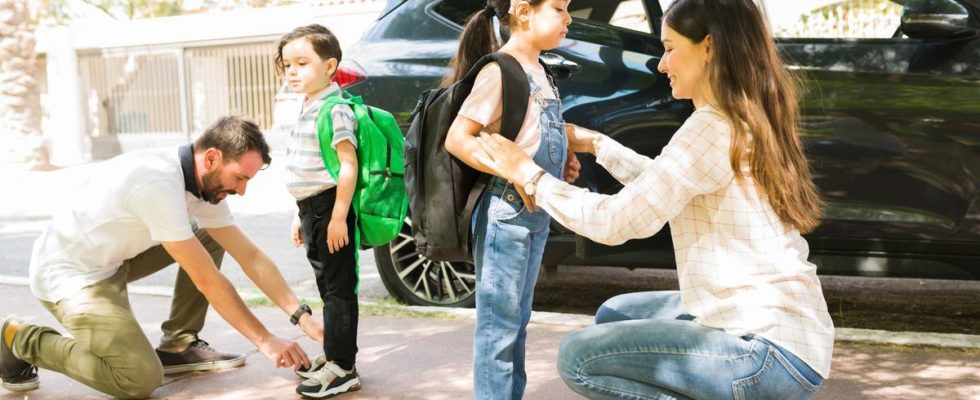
644, 346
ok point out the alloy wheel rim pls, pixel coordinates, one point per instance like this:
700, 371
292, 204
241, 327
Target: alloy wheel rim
437, 282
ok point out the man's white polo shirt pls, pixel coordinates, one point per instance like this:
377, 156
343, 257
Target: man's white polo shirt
128, 205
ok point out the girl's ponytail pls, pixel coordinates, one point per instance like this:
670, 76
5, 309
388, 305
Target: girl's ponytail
477, 40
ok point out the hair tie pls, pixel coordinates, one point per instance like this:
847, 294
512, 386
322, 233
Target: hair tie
496, 31
490, 10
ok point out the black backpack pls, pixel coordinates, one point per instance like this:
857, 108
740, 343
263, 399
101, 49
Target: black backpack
442, 190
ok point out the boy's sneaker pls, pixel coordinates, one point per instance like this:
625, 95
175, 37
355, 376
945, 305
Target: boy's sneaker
17, 375
330, 381
199, 356
315, 365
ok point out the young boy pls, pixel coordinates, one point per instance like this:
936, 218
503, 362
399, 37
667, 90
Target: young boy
307, 59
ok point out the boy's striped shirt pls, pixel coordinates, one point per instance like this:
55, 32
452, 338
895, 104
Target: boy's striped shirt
306, 175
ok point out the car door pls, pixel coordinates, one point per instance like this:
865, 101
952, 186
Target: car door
891, 127
619, 92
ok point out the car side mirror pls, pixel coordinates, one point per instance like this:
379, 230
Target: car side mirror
936, 19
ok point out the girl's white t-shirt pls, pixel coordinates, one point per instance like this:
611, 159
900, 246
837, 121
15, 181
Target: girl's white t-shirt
485, 104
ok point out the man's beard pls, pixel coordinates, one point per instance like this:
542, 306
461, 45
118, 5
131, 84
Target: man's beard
211, 183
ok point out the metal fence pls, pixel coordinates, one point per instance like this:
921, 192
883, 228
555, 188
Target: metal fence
178, 90
239, 79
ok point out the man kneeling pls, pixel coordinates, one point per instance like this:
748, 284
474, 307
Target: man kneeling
132, 219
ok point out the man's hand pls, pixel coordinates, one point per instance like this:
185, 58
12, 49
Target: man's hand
337, 234
297, 232
572, 167
579, 138
311, 327
284, 353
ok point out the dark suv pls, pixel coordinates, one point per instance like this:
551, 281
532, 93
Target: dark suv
891, 125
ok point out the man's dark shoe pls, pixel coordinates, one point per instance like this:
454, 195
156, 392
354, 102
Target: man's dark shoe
199, 356
17, 375
330, 381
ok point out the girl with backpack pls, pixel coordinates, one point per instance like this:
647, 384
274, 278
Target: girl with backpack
508, 236
750, 320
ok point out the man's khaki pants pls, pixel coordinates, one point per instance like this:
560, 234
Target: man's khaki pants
109, 351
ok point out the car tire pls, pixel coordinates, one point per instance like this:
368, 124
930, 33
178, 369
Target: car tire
413, 279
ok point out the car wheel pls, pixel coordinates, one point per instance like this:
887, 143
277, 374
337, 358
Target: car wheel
416, 280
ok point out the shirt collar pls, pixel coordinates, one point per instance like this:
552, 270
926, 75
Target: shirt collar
186, 155
327, 91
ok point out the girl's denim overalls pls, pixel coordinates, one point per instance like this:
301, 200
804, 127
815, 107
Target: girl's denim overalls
508, 245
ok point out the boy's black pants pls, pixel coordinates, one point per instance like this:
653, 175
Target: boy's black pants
336, 277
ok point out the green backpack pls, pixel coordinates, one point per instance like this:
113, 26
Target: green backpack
379, 202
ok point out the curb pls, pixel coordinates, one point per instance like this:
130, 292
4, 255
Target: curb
955, 340
949, 340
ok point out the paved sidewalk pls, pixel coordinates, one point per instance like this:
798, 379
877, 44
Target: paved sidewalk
429, 358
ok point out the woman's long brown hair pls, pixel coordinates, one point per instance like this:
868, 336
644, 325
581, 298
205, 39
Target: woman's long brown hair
760, 99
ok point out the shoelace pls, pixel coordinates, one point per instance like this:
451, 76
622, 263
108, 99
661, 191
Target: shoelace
202, 345
27, 374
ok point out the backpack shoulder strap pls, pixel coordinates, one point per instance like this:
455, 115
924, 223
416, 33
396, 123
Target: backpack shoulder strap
338, 98
324, 131
515, 88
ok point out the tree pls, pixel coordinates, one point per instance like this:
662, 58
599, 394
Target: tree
20, 102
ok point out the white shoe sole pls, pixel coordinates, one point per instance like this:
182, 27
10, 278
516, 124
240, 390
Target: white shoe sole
205, 366
352, 385
22, 387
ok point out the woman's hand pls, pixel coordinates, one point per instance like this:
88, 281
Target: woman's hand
505, 159
528, 200
579, 138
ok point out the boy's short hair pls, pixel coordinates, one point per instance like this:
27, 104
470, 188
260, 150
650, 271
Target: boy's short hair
325, 44
234, 136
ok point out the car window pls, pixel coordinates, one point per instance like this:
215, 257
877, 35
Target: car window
851, 19
457, 11
391, 6
628, 14
831, 19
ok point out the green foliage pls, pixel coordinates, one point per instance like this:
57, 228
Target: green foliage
846, 19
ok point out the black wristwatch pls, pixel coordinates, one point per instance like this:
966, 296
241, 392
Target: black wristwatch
299, 313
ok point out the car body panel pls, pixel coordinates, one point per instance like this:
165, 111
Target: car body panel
891, 126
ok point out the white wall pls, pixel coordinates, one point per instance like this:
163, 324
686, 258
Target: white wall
66, 107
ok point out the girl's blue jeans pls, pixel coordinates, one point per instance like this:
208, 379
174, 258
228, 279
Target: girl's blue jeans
509, 245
